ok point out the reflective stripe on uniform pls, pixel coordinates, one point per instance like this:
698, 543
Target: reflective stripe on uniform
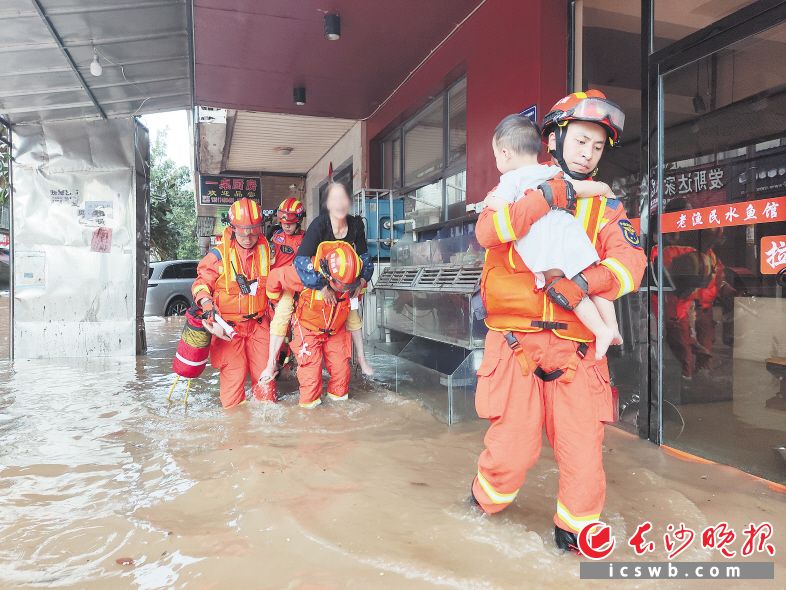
199, 288
623, 275
495, 496
582, 212
310, 405
335, 397
588, 213
503, 225
575, 522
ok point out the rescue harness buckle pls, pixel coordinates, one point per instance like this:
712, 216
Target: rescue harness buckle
549, 325
544, 376
512, 341
525, 362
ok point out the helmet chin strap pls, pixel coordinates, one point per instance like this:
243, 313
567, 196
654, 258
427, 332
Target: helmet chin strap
559, 135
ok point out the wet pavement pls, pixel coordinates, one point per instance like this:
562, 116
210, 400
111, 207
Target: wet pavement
103, 484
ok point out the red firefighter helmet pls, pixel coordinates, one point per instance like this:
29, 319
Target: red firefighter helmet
341, 266
591, 106
245, 217
291, 210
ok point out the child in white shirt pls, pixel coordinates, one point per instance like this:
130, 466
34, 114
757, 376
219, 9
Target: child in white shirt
557, 244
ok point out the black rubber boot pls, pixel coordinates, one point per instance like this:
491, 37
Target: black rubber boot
473, 501
566, 540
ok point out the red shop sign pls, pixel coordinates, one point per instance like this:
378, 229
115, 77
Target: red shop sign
743, 213
773, 254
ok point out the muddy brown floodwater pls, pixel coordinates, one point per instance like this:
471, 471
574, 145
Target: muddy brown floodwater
105, 485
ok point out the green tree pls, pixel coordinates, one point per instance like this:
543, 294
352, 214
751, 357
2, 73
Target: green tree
5, 163
172, 206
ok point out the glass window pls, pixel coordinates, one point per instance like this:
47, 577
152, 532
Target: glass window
188, 271
456, 195
457, 123
171, 272
424, 143
150, 273
391, 161
611, 62
424, 205
608, 58
676, 19
724, 240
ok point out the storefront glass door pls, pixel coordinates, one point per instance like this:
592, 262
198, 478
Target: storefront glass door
720, 254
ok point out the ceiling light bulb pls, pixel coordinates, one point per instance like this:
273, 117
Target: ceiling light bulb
95, 66
332, 27
299, 96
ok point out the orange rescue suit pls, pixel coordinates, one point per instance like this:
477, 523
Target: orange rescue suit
539, 366
319, 334
245, 355
284, 247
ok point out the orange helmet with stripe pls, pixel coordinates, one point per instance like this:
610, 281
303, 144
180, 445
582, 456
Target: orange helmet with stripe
341, 266
245, 217
591, 106
291, 210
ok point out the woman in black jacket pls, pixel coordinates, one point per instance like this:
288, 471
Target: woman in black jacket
337, 224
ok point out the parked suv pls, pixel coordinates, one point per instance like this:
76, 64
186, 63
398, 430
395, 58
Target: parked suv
169, 287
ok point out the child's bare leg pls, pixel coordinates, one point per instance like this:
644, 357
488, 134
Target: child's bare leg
606, 310
355, 329
589, 315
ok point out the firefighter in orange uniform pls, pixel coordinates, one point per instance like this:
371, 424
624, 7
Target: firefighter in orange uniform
285, 240
539, 366
231, 281
319, 330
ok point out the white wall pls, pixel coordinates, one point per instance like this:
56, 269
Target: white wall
74, 290
349, 146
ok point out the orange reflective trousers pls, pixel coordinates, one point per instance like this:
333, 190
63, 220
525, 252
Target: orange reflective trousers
311, 349
572, 407
244, 356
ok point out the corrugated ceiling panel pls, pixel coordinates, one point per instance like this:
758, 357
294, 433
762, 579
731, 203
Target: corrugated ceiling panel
144, 49
256, 135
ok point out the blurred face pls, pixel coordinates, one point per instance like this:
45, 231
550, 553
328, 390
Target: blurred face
337, 202
289, 228
247, 238
583, 146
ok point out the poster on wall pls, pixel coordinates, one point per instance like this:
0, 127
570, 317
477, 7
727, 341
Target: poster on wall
30, 269
225, 190
64, 196
205, 225
101, 241
96, 213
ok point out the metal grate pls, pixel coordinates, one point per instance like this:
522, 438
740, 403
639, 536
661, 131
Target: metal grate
455, 279
428, 278
397, 278
468, 278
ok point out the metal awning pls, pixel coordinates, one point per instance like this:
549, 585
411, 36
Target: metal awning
47, 46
